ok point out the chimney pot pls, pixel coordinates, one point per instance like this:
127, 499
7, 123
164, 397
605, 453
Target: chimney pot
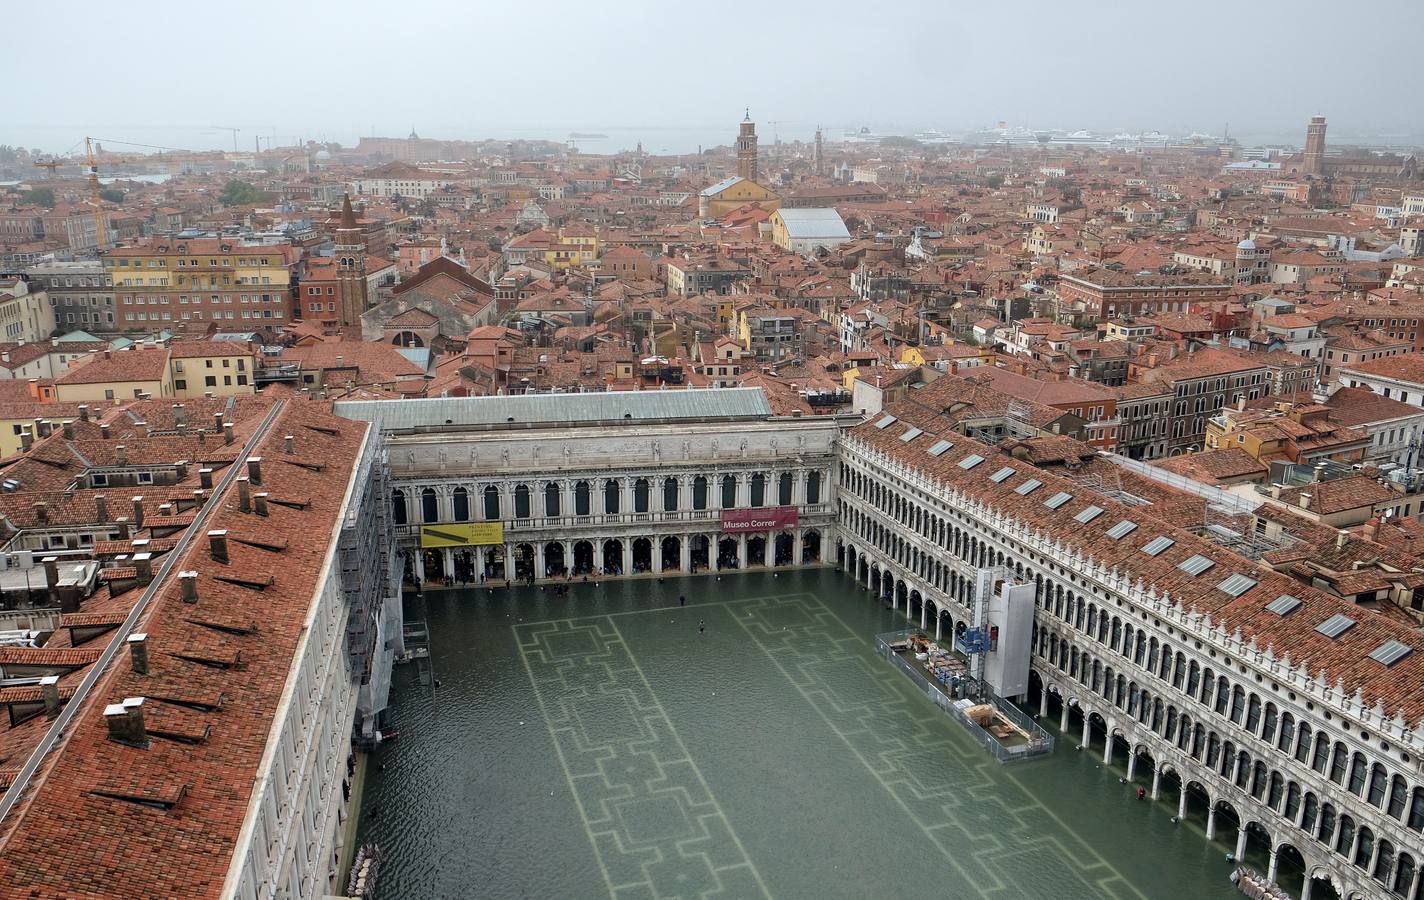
121, 455
137, 511
217, 421
227, 432
51, 567
27, 437
68, 429
104, 431
41, 512
123, 523
254, 469
205, 478
49, 687
143, 565
101, 508
189, 582
260, 501
138, 652
84, 412
244, 494
180, 415
126, 722
289, 442
217, 544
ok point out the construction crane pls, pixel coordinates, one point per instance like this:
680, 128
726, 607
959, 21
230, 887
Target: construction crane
234, 134
50, 164
101, 235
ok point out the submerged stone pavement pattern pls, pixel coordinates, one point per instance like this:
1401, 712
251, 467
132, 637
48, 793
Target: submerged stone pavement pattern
659, 832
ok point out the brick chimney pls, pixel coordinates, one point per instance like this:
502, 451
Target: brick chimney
180, 415
244, 494
189, 583
123, 523
121, 455
41, 512
143, 565
254, 469
104, 431
205, 478
101, 508
260, 503
125, 722
68, 427
27, 437
84, 412
217, 421
217, 544
227, 433
289, 442
138, 652
49, 689
137, 511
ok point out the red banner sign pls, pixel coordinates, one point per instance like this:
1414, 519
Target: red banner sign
769, 518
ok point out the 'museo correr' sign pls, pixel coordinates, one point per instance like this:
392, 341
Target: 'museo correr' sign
769, 518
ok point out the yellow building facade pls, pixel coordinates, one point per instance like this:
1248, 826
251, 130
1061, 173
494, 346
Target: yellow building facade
724, 196
167, 280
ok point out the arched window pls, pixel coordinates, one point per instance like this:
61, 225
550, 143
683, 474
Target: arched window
758, 490
521, 501
491, 503
611, 490
552, 499
1358, 771
1253, 714
729, 492
581, 498
783, 489
429, 508
1378, 780
699, 492
399, 514
1416, 810
1398, 796
460, 500
670, 498
813, 487
640, 495
1338, 763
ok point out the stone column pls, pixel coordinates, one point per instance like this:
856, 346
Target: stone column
597, 555
1271, 868
539, 562
1354, 846
447, 562
509, 561
1211, 822
419, 565
1310, 883
1063, 720
1042, 691
657, 542
566, 500
1240, 843
1182, 803
627, 555
742, 551
1156, 781
924, 613
684, 559
796, 547
1087, 729
1414, 885
939, 631
1108, 746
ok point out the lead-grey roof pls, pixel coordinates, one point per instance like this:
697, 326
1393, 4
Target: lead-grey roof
814, 222
559, 409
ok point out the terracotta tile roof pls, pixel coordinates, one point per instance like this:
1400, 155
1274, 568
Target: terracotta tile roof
1396, 688
119, 365
71, 834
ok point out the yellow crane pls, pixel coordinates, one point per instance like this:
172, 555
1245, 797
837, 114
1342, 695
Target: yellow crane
101, 230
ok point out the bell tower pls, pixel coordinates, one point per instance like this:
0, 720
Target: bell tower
747, 149
350, 267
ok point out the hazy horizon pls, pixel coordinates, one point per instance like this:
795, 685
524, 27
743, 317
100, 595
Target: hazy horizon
458, 71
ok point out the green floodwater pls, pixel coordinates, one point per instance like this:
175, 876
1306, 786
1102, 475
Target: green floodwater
597, 745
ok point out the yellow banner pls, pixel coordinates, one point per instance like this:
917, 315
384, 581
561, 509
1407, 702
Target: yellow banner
461, 534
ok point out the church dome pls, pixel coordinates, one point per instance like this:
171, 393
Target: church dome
1247, 244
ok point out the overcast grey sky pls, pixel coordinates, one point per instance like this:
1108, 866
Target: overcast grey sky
168, 72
